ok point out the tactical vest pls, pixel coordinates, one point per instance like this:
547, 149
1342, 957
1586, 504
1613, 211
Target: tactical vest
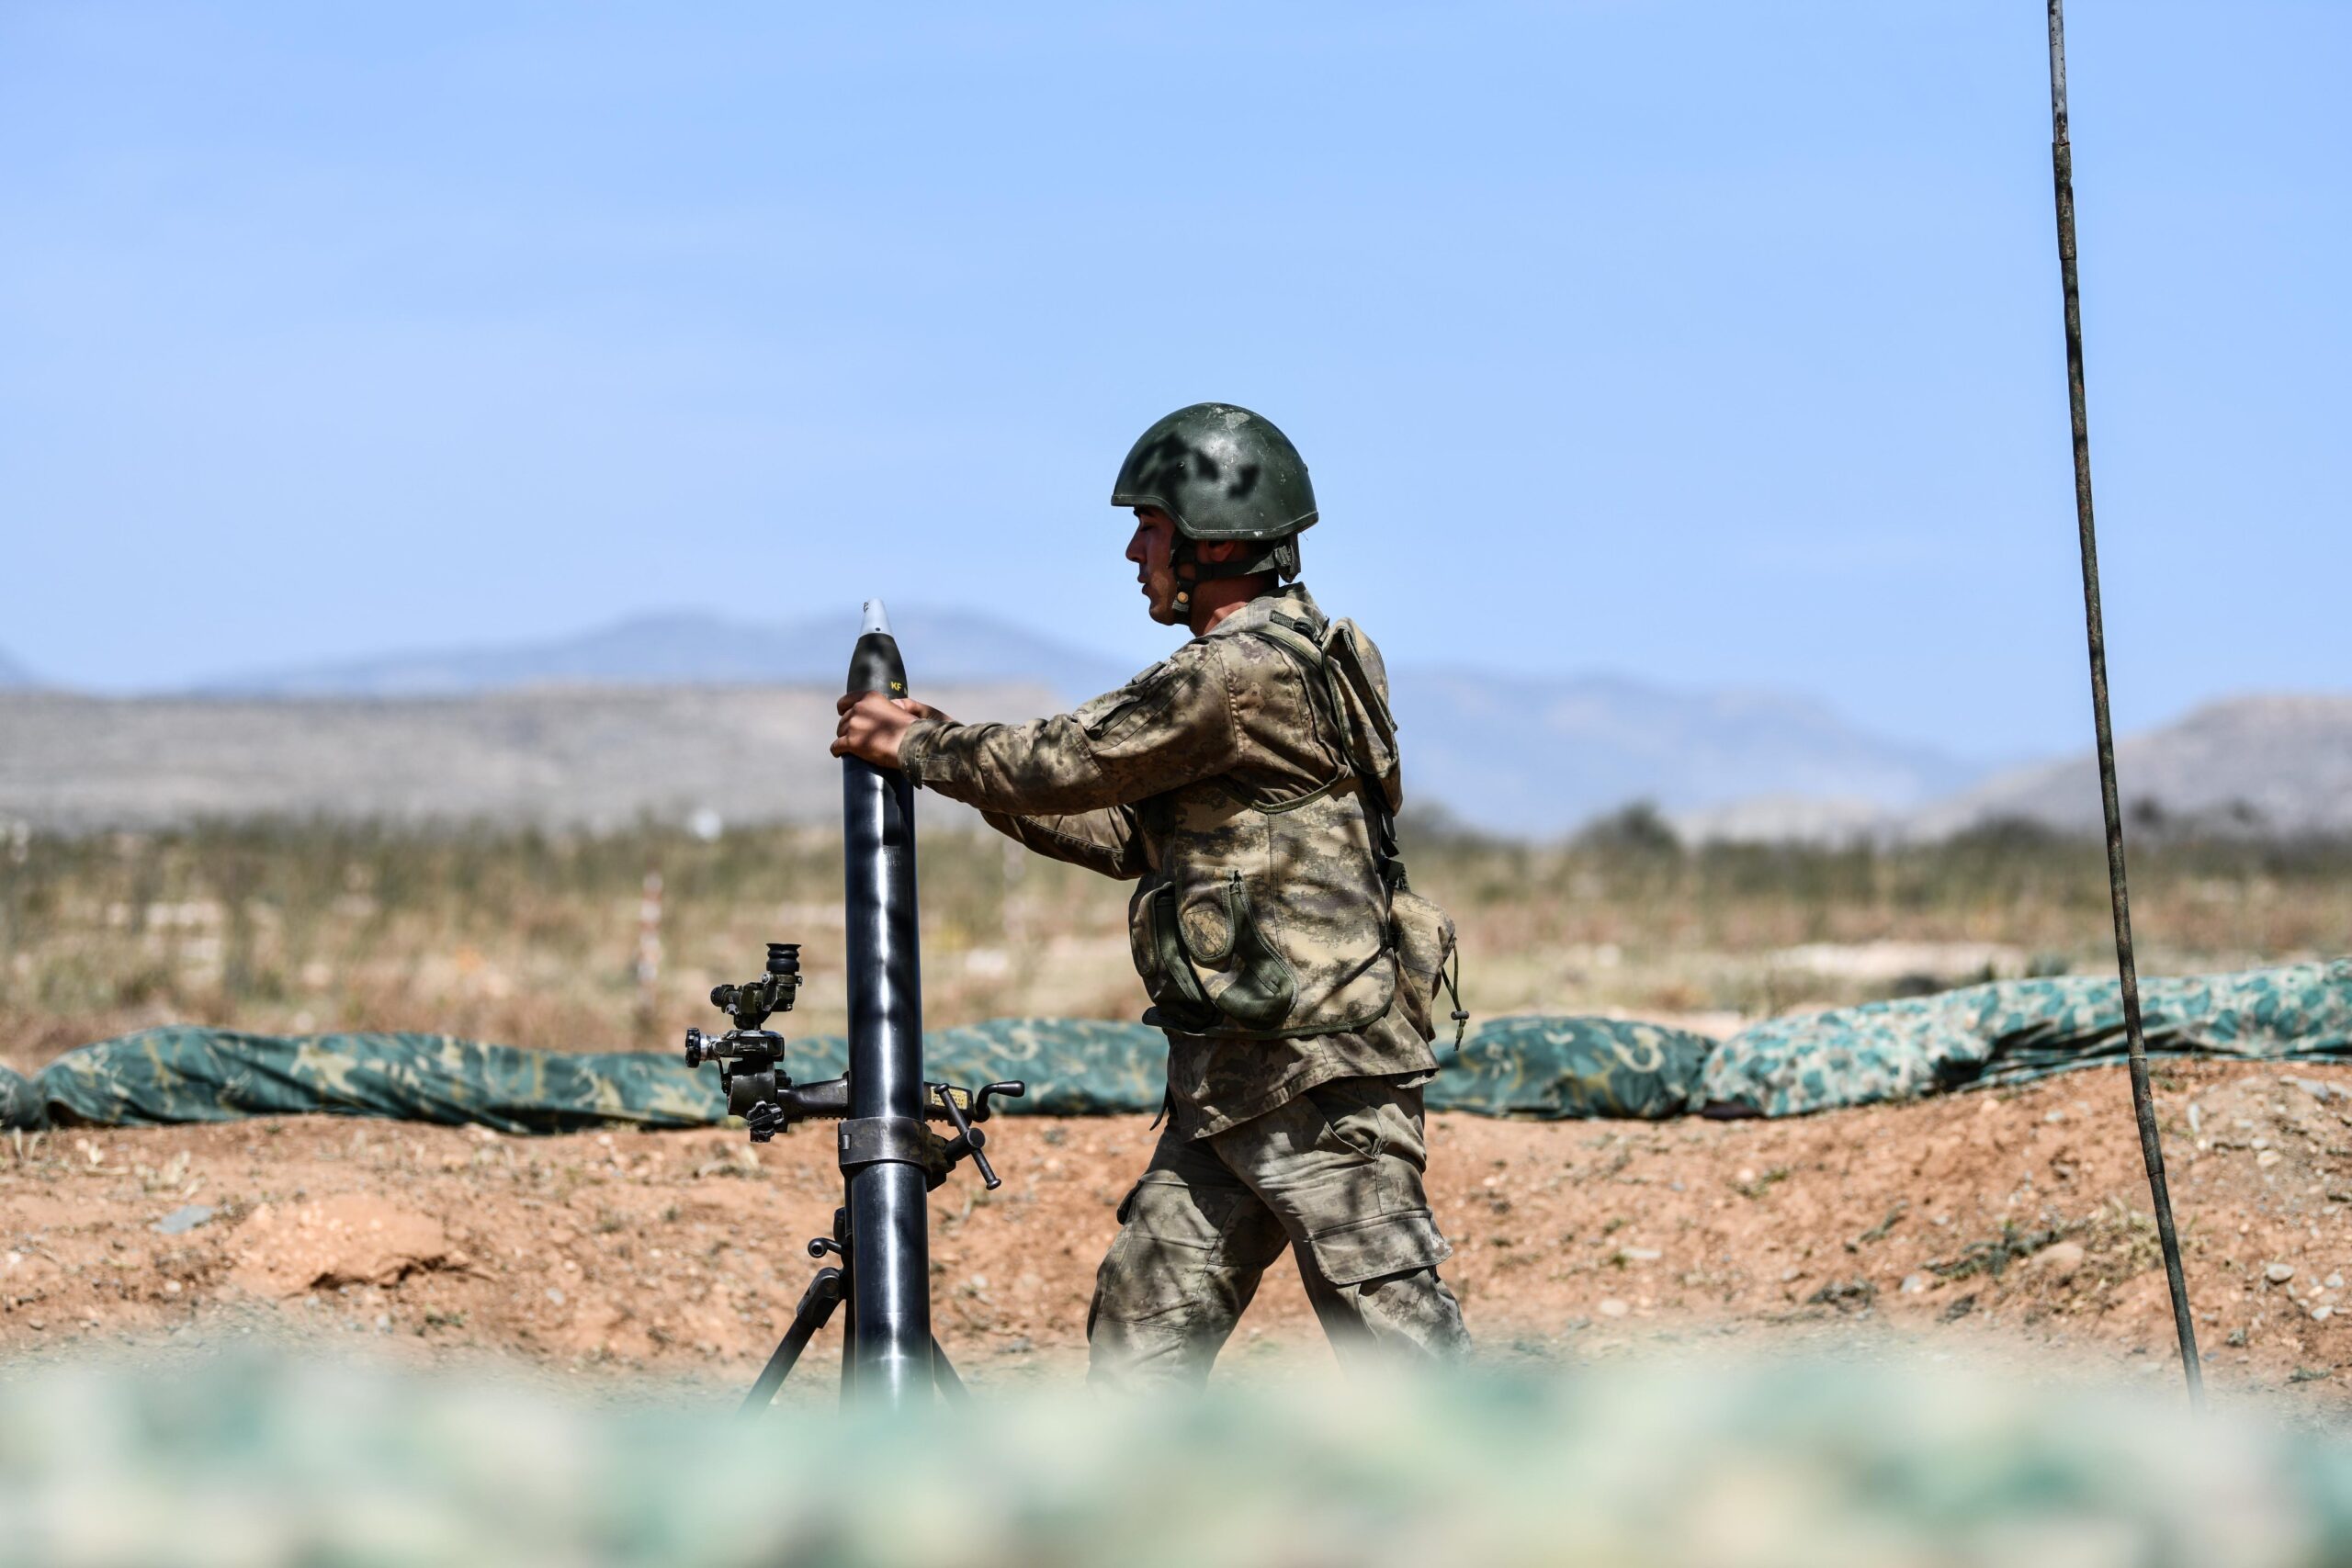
1273, 920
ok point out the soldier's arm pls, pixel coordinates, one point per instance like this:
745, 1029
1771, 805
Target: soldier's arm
1171, 725
1103, 841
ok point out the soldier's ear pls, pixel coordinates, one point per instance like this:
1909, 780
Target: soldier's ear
1216, 552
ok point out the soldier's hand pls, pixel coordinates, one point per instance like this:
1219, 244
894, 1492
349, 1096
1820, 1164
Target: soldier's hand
872, 726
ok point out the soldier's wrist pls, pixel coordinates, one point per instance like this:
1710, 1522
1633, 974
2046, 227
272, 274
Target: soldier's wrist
914, 748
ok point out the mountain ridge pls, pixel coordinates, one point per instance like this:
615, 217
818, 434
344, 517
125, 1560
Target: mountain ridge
688, 647
2272, 762
1532, 756
1597, 740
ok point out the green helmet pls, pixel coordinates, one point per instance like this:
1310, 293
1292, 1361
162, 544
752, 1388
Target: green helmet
1220, 472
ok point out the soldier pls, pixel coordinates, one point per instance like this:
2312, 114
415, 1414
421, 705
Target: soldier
1249, 782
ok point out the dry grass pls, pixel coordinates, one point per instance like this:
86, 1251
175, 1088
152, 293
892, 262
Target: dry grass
538, 939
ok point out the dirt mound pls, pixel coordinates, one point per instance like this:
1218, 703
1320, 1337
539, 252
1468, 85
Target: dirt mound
353, 1238
2020, 1216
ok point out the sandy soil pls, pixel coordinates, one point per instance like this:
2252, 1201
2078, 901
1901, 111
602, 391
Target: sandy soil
2017, 1219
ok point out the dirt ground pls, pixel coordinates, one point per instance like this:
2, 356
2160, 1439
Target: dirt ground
2017, 1219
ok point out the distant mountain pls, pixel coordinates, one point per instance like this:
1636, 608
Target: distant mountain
551, 757
1594, 742
598, 756
2257, 763
682, 648
639, 716
1540, 756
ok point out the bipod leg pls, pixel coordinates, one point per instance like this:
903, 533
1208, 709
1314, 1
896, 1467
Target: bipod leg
817, 1304
849, 1299
942, 1372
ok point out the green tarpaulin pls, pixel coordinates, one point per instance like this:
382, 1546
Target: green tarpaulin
1550, 1068
2011, 1030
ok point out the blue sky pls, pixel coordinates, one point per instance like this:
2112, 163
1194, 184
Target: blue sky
1712, 344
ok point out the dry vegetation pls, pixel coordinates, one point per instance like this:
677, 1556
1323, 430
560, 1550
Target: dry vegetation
539, 939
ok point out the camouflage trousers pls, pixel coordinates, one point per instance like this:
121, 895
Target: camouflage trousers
1335, 1174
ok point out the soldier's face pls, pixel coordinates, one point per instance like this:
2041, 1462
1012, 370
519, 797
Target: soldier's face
1150, 550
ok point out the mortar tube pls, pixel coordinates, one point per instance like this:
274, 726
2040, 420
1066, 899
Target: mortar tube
888, 1216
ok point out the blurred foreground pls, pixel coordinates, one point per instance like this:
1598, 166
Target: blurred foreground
259, 1460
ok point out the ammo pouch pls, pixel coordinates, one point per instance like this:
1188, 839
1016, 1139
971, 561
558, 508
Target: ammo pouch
1262, 986
1425, 949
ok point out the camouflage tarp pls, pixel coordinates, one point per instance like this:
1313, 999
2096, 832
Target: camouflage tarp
1552, 1067
1534, 1066
186, 1073
1548, 1068
2014, 1029
19, 1105
1555, 1067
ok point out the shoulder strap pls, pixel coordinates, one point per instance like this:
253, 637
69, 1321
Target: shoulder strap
1301, 639
1298, 639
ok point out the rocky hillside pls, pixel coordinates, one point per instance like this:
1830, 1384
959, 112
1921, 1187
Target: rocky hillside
2257, 764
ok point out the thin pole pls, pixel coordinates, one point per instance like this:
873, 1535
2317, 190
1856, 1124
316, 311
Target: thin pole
2152, 1151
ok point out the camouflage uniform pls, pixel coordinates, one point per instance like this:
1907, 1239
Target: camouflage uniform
1217, 781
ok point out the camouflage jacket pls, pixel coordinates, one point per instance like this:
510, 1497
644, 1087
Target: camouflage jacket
1215, 781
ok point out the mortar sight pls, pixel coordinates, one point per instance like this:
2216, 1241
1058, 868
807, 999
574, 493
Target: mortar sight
751, 1003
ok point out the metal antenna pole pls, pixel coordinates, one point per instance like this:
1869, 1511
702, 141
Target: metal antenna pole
2151, 1152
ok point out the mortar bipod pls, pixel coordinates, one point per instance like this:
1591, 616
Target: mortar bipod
751, 1062
831, 1288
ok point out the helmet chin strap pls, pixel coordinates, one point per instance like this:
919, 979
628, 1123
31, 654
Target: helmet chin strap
1280, 559
1184, 564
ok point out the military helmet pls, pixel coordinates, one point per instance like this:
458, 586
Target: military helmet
1219, 472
